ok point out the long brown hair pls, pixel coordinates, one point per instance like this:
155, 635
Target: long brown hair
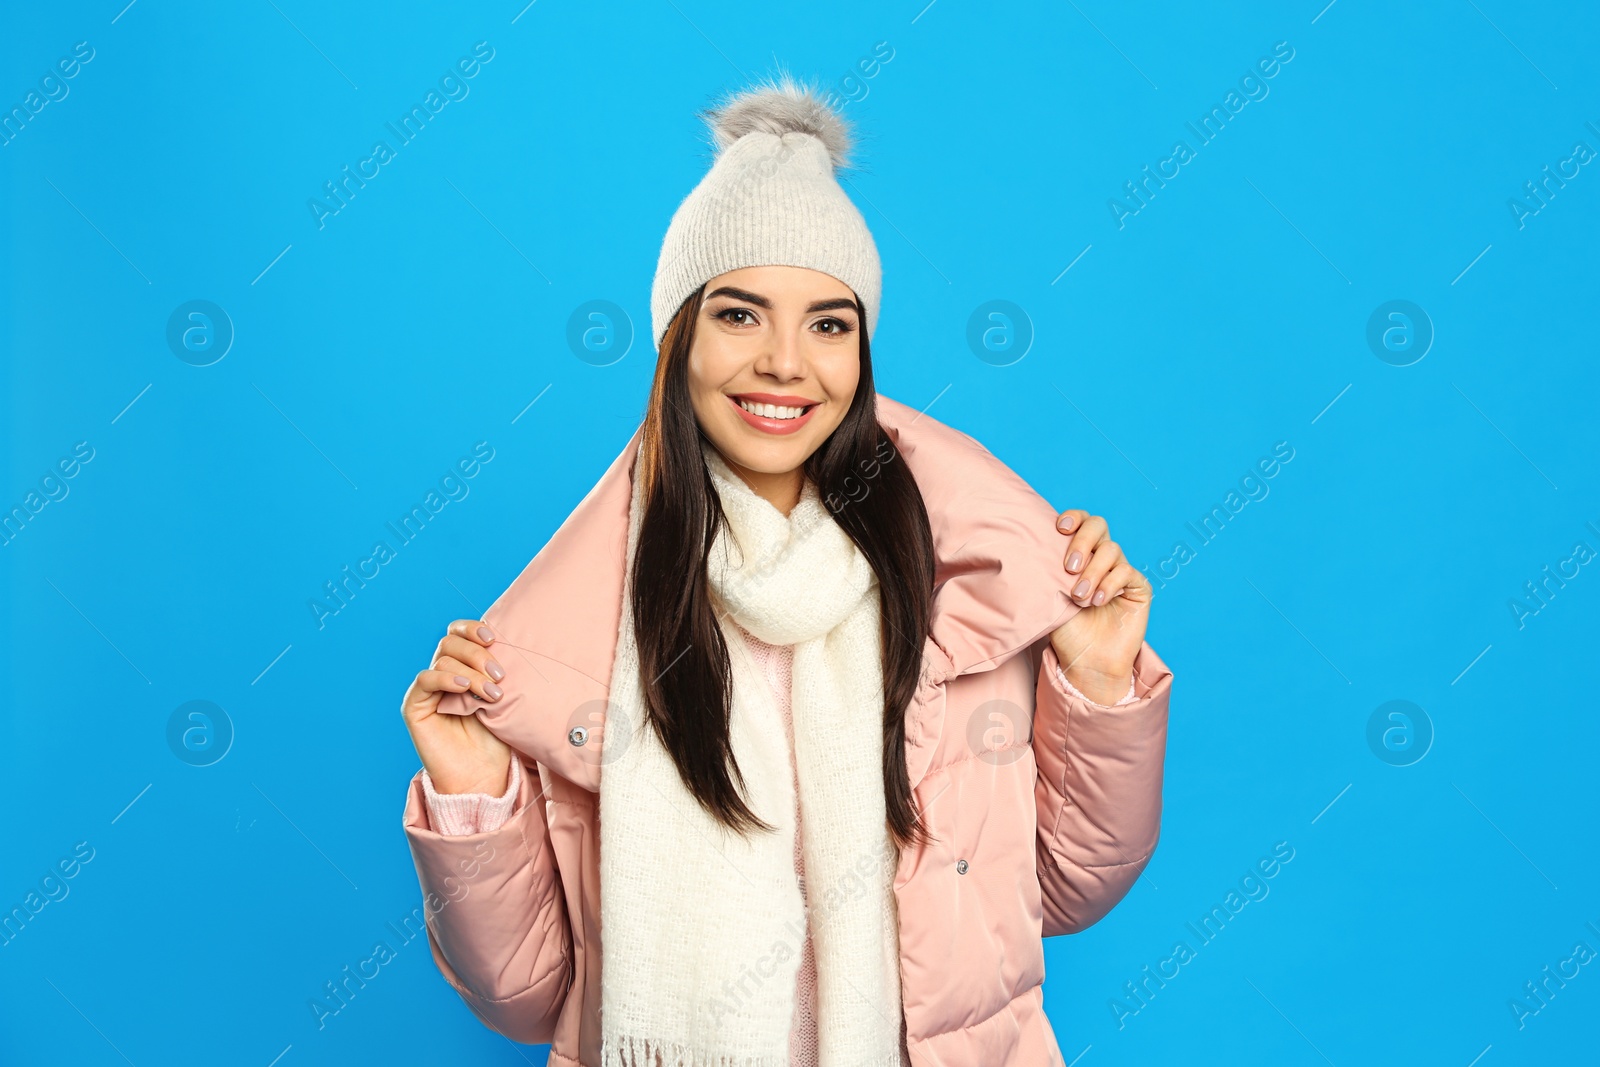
685, 669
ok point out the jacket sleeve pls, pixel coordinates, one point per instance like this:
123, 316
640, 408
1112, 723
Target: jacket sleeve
496, 914
1098, 792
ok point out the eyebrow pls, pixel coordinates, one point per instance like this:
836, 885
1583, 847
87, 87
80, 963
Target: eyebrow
762, 302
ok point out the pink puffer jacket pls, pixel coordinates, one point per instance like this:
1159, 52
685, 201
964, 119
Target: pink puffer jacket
1044, 807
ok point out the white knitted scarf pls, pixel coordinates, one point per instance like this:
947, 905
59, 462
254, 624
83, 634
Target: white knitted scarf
703, 928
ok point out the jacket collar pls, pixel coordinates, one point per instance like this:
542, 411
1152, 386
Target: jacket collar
1000, 586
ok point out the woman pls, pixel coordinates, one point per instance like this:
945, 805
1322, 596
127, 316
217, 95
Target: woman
812, 706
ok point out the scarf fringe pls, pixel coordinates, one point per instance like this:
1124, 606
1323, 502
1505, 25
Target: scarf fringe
646, 1052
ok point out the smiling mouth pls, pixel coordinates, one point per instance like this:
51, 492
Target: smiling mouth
772, 417
773, 411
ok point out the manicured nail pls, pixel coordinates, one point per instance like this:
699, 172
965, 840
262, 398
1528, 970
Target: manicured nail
1100, 598
485, 633
1081, 589
1064, 525
1074, 561
463, 682
494, 670
491, 691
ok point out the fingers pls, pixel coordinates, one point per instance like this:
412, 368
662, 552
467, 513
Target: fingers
1089, 533
1123, 580
1090, 590
423, 698
1136, 589
461, 664
470, 653
477, 681
1068, 520
448, 679
474, 630
1103, 571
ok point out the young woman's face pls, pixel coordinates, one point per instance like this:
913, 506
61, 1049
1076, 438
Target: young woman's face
774, 365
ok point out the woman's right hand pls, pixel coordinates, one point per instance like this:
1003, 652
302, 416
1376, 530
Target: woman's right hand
458, 751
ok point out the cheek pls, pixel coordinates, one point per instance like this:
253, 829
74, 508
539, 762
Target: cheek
705, 404
715, 363
709, 370
840, 376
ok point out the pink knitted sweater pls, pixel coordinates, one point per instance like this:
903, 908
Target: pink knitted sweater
454, 814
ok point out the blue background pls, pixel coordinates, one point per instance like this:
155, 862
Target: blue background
1227, 315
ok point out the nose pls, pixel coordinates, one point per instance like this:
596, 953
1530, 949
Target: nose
781, 357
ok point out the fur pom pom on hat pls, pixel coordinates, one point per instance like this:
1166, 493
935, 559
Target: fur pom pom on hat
778, 109
771, 198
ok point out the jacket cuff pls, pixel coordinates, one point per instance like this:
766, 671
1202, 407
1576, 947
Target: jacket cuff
459, 814
1072, 690
1150, 674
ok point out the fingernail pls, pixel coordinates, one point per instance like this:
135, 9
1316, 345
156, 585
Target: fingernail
485, 633
491, 691
1100, 598
494, 670
463, 682
1064, 525
1074, 561
1080, 589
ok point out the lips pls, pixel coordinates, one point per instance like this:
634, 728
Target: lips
777, 414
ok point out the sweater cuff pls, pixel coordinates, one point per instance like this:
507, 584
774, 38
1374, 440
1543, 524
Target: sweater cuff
458, 814
1070, 688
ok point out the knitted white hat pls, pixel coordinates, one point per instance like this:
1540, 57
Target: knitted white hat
770, 199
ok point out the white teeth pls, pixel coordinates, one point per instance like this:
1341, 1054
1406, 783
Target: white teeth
771, 411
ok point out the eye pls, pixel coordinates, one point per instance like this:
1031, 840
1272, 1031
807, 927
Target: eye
834, 327
728, 315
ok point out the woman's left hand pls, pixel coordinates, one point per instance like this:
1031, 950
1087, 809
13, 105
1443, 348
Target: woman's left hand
1098, 645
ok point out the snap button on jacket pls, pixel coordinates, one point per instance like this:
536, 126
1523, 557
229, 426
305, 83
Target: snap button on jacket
1044, 808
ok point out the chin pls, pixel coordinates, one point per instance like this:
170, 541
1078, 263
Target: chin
766, 456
